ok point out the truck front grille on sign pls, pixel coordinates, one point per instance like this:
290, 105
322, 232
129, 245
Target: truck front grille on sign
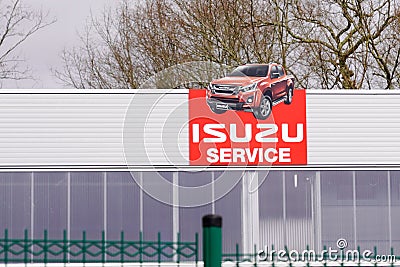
225, 89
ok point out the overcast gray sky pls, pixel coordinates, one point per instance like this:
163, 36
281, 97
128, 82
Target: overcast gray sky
42, 51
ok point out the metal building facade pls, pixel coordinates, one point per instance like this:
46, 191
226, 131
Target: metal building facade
87, 128
63, 167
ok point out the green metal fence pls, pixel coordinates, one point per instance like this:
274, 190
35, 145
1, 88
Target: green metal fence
84, 250
343, 257
239, 257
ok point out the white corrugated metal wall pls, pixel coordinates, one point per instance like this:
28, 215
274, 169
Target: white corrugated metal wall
80, 128
87, 128
356, 127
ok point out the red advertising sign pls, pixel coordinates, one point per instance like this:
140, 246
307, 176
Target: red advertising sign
225, 135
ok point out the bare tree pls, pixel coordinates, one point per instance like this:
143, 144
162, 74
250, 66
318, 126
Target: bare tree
341, 33
17, 24
156, 34
324, 43
159, 34
385, 50
227, 31
106, 58
124, 47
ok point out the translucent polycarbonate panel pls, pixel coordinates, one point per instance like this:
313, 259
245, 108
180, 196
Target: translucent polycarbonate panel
395, 210
87, 204
195, 188
50, 204
372, 211
271, 196
294, 207
299, 185
271, 210
229, 207
190, 217
338, 212
157, 210
299, 210
123, 207
15, 203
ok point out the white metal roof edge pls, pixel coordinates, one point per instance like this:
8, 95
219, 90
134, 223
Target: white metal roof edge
352, 92
332, 167
181, 91
93, 91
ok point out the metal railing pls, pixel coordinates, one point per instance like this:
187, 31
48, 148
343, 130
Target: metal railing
343, 257
85, 250
44, 250
239, 257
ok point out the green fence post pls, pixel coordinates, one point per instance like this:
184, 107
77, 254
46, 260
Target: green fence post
141, 247
26, 246
103, 247
84, 247
65, 248
272, 255
159, 248
255, 255
393, 260
45, 247
178, 248
197, 247
6, 246
237, 255
212, 240
122, 249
